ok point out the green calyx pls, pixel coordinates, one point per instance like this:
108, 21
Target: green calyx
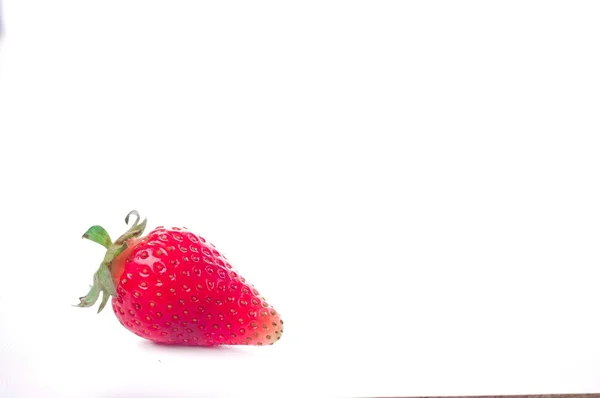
103, 282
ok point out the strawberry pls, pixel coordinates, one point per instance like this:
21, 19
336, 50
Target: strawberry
172, 286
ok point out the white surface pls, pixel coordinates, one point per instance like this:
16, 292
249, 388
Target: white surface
413, 185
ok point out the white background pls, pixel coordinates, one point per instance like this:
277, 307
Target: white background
413, 185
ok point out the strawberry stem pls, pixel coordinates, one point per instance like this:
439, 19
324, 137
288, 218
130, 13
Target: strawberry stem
103, 282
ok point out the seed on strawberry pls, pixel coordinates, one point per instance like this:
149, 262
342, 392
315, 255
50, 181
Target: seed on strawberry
167, 274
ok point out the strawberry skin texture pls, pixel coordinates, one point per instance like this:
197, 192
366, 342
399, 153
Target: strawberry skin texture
174, 287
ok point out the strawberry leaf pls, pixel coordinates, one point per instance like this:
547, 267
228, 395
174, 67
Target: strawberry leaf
99, 235
105, 297
105, 280
102, 283
135, 230
91, 298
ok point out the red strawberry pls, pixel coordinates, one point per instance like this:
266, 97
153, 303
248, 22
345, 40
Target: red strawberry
174, 287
